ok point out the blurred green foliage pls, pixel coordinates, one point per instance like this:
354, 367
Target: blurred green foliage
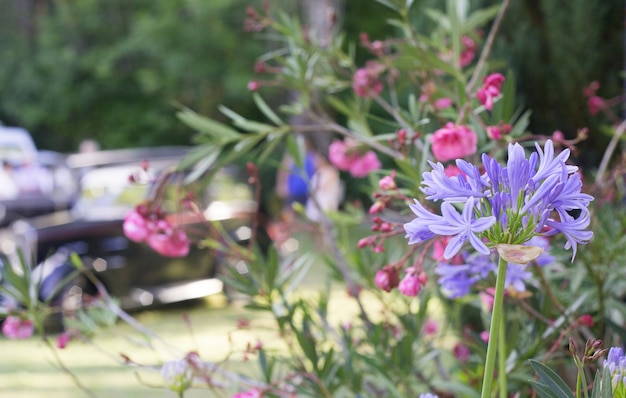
116, 70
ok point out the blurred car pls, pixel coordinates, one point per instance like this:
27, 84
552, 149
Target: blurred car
33, 182
92, 228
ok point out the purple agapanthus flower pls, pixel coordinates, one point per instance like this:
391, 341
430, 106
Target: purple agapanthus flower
511, 203
616, 362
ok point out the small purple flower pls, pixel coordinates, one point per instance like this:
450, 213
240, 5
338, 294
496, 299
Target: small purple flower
574, 229
616, 362
516, 274
455, 280
463, 227
438, 186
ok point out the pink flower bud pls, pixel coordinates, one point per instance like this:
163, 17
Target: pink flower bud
388, 182
253, 85
387, 278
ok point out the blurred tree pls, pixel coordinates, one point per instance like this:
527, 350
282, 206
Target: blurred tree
115, 70
556, 48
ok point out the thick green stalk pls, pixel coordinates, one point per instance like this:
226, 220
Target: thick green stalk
496, 319
502, 360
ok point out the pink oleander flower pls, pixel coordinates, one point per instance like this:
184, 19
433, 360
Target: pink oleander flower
558, 136
137, 227
443, 103
388, 183
490, 89
366, 81
168, 240
469, 51
461, 352
15, 327
63, 339
595, 104
453, 142
484, 336
591, 89
253, 85
387, 278
497, 132
431, 327
345, 156
254, 393
363, 165
411, 284
377, 207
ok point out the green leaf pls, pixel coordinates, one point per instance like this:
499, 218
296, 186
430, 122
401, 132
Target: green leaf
542, 390
245, 124
480, 17
209, 127
551, 380
267, 111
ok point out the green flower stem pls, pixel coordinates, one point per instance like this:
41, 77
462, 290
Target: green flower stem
496, 320
502, 359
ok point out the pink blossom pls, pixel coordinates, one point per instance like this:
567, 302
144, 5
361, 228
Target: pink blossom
452, 170
362, 165
63, 339
484, 336
377, 207
595, 104
17, 328
254, 393
461, 352
387, 278
591, 89
469, 51
366, 82
345, 156
430, 327
410, 285
490, 89
388, 183
443, 103
253, 85
169, 241
136, 227
453, 142
586, 320
487, 297
557, 136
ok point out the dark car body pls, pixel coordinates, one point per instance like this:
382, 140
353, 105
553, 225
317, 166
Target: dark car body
131, 271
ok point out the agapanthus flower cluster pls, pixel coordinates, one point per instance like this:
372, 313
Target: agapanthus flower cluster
457, 280
143, 225
616, 362
506, 204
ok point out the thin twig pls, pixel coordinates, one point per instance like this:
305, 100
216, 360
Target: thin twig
609, 152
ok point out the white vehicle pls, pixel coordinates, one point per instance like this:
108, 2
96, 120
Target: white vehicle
33, 182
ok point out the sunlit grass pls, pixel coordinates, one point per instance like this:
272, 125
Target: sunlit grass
29, 369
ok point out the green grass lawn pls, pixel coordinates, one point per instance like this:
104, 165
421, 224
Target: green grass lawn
28, 368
